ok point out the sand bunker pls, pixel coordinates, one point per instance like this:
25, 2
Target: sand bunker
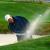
6, 39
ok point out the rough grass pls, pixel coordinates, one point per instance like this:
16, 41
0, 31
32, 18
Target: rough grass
7, 0
38, 44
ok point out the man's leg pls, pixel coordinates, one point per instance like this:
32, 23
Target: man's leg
23, 37
20, 37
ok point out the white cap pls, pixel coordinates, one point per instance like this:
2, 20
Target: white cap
7, 17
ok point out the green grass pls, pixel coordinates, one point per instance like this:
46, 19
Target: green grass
37, 44
19, 8
7, 0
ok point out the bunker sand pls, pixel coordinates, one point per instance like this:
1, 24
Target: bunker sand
6, 39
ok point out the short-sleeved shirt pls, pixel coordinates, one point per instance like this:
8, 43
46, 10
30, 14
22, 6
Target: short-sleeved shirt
20, 24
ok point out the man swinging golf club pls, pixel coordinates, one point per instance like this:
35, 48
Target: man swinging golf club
17, 24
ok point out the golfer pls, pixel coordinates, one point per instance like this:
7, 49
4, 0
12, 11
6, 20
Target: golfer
17, 24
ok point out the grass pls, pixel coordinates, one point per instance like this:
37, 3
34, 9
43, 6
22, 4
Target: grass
6, 0
32, 44
19, 8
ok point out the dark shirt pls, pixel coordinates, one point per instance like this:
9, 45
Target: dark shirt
19, 25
